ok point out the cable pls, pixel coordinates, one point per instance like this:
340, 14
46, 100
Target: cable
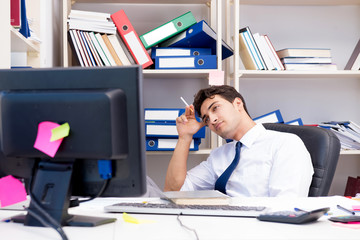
102, 190
46, 224
186, 227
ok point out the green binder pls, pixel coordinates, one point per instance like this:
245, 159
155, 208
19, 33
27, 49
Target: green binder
167, 30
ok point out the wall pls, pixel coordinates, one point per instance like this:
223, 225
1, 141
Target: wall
314, 100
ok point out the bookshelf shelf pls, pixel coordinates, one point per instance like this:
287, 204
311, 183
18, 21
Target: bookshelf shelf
298, 74
21, 44
145, 1
196, 74
350, 152
300, 2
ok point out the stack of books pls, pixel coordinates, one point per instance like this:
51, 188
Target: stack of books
94, 40
257, 52
306, 59
181, 43
348, 133
160, 129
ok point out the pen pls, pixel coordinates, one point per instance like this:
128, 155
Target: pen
182, 99
345, 209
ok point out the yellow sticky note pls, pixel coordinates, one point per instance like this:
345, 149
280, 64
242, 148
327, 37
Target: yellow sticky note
216, 77
60, 132
131, 219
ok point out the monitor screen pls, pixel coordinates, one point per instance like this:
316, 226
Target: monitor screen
104, 149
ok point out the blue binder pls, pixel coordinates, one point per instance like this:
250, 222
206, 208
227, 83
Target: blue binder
193, 62
168, 144
296, 121
199, 35
170, 51
271, 117
167, 130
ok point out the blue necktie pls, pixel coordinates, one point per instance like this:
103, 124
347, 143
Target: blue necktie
220, 184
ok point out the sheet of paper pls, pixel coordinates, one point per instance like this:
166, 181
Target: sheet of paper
11, 191
43, 143
216, 77
60, 132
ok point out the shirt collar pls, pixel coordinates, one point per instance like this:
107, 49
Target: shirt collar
250, 137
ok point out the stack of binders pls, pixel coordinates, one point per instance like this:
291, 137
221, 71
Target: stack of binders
160, 129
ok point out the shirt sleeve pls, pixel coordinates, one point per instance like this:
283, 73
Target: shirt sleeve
292, 169
201, 177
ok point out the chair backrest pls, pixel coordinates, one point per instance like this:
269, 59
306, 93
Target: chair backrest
324, 148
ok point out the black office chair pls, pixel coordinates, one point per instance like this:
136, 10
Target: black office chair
324, 148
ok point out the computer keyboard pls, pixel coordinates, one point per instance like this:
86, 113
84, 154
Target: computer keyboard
197, 210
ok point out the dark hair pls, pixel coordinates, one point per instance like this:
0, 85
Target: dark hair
227, 92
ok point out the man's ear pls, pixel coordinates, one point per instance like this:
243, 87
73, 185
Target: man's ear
238, 104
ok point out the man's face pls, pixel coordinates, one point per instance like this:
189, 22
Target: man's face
221, 116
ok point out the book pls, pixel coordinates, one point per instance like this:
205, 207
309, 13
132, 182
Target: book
15, 13
274, 57
246, 55
111, 50
199, 35
167, 30
168, 144
131, 39
106, 51
304, 52
253, 48
306, 60
91, 21
93, 50
354, 60
309, 66
74, 45
264, 51
99, 49
186, 62
202, 197
120, 49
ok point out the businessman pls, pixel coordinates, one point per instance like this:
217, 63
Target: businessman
257, 163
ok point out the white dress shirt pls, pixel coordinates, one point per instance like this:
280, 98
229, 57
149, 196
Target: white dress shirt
271, 164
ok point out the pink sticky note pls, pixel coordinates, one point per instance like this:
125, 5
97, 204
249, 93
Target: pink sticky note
43, 137
11, 191
216, 77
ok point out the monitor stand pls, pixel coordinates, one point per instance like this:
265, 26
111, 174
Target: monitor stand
51, 191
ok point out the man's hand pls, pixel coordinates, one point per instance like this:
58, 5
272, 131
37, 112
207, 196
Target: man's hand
187, 125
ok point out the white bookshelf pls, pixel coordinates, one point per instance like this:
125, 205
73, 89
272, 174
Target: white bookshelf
13, 41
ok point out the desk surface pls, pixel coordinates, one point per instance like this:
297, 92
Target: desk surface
167, 226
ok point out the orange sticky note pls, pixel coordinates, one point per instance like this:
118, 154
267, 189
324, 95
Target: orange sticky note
43, 143
11, 191
216, 77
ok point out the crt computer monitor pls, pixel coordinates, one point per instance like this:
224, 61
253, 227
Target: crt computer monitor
104, 109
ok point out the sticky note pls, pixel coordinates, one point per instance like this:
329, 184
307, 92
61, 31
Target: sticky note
60, 132
130, 219
42, 142
216, 77
11, 191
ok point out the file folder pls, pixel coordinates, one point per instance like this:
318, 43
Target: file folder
168, 144
197, 36
195, 62
167, 130
167, 30
131, 39
272, 117
297, 121
163, 114
175, 52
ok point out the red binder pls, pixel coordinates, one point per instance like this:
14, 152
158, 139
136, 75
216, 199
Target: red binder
131, 39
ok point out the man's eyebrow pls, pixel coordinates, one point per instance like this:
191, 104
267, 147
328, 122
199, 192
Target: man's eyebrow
209, 109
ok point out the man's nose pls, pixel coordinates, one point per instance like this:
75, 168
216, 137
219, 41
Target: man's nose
213, 118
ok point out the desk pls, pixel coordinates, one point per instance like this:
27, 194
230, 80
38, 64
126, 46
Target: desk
167, 226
